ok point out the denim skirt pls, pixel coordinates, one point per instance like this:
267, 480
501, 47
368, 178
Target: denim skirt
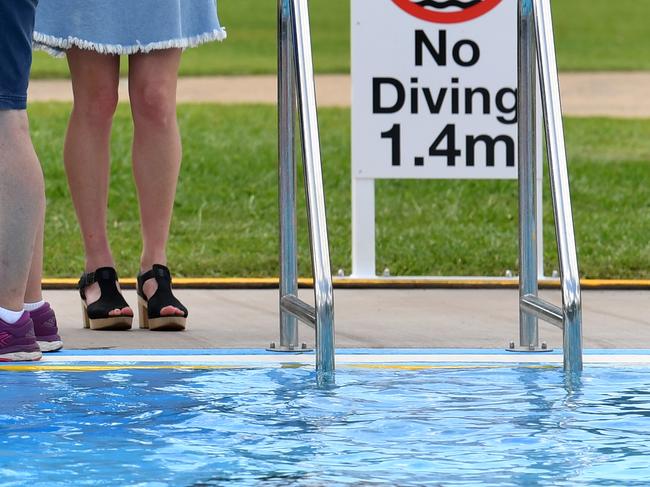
125, 26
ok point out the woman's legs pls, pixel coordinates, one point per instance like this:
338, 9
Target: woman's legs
95, 79
156, 152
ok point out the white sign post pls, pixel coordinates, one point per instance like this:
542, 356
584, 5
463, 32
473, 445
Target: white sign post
433, 97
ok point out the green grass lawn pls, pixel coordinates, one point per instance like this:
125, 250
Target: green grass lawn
226, 211
591, 35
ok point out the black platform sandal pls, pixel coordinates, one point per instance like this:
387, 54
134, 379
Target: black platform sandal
149, 309
96, 315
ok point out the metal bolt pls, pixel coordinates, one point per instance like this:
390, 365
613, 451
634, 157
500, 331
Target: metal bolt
544, 346
386, 272
511, 345
508, 273
531, 347
340, 273
272, 345
304, 346
555, 274
291, 347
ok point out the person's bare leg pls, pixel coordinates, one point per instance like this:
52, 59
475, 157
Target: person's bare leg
95, 79
34, 293
156, 152
22, 205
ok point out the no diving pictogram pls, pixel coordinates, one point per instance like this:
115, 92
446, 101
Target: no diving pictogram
446, 11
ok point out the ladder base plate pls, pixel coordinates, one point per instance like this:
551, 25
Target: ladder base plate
529, 349
285, 349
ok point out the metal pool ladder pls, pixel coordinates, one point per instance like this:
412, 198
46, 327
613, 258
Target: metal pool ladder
536, 40
296, 87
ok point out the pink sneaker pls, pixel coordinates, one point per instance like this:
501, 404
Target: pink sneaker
45, 329
18, 342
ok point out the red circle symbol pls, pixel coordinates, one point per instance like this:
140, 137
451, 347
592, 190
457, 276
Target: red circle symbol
470, 10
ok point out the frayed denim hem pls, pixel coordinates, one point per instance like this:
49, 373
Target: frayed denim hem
57, 46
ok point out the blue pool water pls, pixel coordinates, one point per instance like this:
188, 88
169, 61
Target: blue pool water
501, 425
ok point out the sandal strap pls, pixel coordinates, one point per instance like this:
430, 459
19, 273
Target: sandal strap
163, 296
110, 298
160, 273
144, 276
100, 275
85, 281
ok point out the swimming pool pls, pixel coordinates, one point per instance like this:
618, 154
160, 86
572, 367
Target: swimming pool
403, 418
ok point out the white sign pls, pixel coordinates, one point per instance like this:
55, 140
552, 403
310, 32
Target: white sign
434, 89
433, 97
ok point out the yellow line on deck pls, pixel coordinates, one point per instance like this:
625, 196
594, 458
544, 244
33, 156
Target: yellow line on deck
378, 283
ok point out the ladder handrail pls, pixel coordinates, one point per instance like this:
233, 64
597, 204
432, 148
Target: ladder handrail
287, 175
565, 232
527, 146
296, 85
536, 35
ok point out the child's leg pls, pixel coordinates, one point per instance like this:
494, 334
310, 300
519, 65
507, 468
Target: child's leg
22, 198
33, 293
22, 205
43, 317
22, 192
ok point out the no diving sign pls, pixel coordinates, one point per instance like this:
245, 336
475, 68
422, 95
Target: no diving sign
433, 97
434, 89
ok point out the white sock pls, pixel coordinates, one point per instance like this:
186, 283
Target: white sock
9, 316
34, 306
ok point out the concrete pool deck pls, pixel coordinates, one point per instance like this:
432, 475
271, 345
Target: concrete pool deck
370, 318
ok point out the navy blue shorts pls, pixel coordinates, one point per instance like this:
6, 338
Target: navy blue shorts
16, 31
